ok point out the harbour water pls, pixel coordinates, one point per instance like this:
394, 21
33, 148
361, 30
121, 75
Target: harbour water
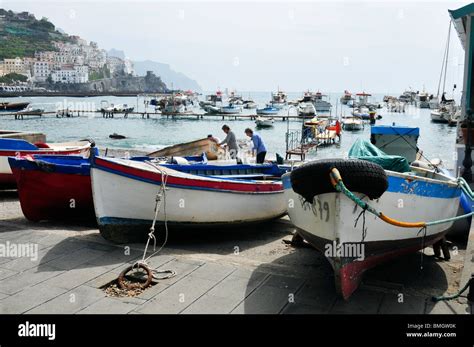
436, 140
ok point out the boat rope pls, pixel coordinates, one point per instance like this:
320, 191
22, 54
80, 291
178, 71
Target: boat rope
160, 200
338, 184
470, 296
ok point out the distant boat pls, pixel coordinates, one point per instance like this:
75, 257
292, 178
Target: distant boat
230, 109
346, 97
264, 122
352, 124
279, 99
422, 100
317, 99
30, 111
13, 106
250, 104
269, 110
306, 109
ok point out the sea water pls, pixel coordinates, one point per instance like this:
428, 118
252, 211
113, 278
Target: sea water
436, 140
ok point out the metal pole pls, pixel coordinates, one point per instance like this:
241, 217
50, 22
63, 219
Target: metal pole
467, 162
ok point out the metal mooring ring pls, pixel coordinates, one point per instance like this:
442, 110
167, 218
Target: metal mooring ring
135, 285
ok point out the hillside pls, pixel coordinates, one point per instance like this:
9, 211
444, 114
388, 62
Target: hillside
21, 34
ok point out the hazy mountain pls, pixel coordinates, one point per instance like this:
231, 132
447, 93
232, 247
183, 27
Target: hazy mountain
173, 79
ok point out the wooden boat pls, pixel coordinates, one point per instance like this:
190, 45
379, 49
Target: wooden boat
426, 195
14, 147
125, 191
58, 187
53, 187
13, 106
197, 147
264, 122
406, 193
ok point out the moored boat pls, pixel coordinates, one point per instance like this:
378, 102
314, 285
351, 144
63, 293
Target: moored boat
352, 123
264, 122
15, 147
13, 106
125, 192
269, 111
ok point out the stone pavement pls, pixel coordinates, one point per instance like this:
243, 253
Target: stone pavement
220, 271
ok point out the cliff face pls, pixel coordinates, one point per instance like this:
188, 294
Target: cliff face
150, 83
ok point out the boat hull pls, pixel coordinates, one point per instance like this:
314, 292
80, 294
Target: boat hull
124, 197
7, 180
328, 224
53, 195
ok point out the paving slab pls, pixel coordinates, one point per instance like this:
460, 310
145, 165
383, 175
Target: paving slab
25, 279
108, 305
76, 258
178, 296
70, 302
264, 300
75, 277
402, 304
361, 302
29, 298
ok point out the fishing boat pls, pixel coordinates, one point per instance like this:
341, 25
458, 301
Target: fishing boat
58, 187
423, 100
327, 219
13, 106
279, 100
230, 109
318, 101
196, 147
306, 109
352, 124
268, 110
125, 193
30, 111
346, 97
15, 147
443, 114
250, 104
53, 187
264, 122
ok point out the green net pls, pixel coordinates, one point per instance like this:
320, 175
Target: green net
364, 150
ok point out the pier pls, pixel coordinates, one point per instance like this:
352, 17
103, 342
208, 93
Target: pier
144, 115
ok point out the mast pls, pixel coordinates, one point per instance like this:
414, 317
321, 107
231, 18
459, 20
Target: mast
446, 58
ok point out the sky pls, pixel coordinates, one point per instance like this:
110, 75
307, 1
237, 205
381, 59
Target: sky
375, 46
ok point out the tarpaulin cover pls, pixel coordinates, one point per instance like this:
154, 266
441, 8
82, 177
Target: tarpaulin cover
364, 150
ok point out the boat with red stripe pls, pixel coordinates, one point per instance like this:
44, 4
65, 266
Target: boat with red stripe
125, 193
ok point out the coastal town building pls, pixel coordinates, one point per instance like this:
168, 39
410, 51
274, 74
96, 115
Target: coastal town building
69, 62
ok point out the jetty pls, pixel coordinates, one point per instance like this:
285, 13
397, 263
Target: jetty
144, 115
